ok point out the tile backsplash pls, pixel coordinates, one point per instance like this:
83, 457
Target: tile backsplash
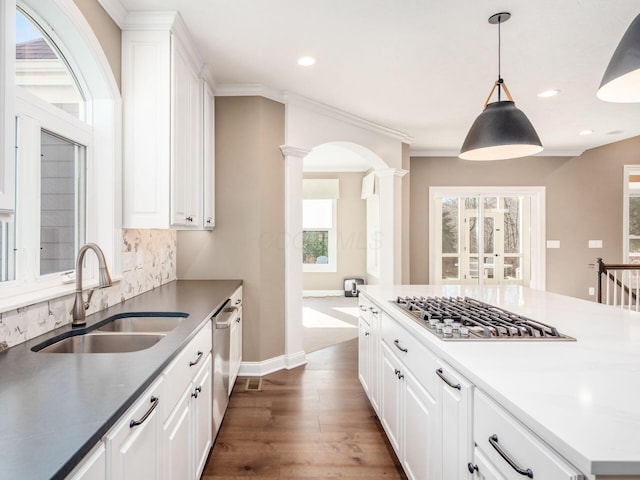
148, 261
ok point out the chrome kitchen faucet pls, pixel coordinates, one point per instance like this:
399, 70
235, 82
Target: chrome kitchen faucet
79, 305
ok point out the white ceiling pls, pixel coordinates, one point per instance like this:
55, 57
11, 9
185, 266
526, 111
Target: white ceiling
423, 67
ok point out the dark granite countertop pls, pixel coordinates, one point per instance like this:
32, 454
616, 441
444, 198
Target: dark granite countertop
55, 407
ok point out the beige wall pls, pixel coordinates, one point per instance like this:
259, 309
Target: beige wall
105, 30
352, 235
583, 202
248, 241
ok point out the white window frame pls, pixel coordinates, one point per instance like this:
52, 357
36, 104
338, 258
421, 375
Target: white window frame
538, 224
66, 26
627, 192
332, 265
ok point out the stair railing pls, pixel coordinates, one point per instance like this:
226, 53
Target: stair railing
621, 286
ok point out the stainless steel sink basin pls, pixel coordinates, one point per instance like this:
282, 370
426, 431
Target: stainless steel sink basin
150, 324
104, 343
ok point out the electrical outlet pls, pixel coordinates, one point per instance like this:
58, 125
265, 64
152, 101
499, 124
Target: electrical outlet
592, 291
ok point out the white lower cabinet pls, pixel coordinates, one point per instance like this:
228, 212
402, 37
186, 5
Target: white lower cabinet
134, 443
202, 399
511, 449
369, 351
235, 349
482, 467
92, 467
456, 417
410, 419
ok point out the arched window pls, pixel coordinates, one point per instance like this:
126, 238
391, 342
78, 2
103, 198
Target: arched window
66, 114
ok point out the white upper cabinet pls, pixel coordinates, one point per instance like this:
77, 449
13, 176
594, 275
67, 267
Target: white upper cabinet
167, 165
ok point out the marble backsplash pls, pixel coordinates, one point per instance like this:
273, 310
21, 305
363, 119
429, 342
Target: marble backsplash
148, 261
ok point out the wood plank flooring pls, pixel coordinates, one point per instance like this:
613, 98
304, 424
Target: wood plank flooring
312, 422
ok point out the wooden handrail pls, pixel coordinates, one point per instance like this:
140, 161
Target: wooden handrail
606, 269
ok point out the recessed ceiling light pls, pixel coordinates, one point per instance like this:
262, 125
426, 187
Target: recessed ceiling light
306, 61
548, 93
586, 132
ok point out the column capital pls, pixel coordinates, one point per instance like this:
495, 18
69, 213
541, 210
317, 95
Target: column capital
389, 172
289, 151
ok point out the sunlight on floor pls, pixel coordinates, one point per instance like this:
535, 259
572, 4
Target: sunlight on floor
313, 319
351, 311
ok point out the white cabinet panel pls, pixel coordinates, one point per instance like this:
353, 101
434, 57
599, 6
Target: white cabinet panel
209, 158
391, 397
134, 443
177, 434
201, 417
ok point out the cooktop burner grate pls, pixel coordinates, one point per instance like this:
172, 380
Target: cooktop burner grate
458, 318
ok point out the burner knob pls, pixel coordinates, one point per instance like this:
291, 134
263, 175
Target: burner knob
456, 326
447, 331
448, 321
464, 331
439, 327
433, 322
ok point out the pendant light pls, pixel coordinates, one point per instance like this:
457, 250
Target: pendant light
621, 80
502, 130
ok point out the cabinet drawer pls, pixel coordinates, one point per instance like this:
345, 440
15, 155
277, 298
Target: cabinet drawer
495, 429
364, 307
181, 371
418, 359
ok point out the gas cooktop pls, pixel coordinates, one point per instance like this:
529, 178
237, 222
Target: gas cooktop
464, 318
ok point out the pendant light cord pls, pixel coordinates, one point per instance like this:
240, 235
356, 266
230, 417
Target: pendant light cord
499, 55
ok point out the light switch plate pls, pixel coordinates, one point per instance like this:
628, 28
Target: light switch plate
553, 243
595, 243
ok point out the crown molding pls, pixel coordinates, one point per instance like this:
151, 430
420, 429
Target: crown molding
455, 153
391, 172
115, 10
291, 98
249, 90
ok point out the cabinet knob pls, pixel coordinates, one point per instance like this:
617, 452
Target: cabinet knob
196, 391
472, 468
209, 221
366, 334
189, 219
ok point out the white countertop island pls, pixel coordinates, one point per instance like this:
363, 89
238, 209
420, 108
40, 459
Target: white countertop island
581, 397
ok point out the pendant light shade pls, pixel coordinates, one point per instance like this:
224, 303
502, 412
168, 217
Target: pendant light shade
621, 80
502, 130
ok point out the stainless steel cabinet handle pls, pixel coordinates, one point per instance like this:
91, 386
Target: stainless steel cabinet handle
191, 364
396, 342
196, 391
154, 404
447, 381
527, 472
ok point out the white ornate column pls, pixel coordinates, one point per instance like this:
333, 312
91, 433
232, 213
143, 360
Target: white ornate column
294, 351
391, 225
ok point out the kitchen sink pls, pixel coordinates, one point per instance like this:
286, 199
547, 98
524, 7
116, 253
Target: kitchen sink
104, 343
136, 324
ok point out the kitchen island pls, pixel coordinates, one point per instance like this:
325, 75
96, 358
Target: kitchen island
581, 398
57, 406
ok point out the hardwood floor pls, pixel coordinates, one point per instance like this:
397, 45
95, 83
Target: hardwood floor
312, 422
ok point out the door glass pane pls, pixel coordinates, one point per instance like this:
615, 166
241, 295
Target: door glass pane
473, 235
42, 70
473, 266
450, 225
450, 268
511, 225
7, 251
490, 203
489, 267
489, 235
512, 270
62, 180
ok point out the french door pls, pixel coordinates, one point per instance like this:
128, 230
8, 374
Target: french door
487, 236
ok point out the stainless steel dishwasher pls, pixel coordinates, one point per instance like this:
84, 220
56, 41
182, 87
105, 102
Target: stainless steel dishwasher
221, 339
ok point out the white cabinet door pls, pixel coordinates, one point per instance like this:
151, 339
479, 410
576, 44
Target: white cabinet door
134, 443
201, 398
235, 349
92, 467
177, 440
421, 439
364, 356
391, 397
374, 358
457, 441
209, 157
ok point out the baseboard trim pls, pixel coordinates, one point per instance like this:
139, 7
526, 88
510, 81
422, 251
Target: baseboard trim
282, 362
323, 293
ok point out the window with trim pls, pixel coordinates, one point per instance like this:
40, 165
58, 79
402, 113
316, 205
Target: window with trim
631, 214
319, 235
65, 138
